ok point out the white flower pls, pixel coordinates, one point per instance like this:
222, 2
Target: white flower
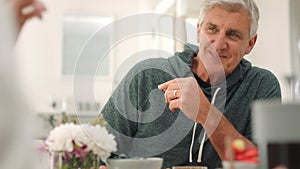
96, 138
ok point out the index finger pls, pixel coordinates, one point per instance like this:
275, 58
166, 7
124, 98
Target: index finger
164, 86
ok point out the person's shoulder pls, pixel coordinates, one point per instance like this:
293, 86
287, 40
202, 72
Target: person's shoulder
264, 73
265, 83
267, 80
257, 71
150, 64
139, 69
146, 66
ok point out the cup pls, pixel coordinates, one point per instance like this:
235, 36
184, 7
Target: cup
189, 167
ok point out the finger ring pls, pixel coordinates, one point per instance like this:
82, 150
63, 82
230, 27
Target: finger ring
174, 93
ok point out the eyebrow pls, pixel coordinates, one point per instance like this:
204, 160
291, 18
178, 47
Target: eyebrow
211, 24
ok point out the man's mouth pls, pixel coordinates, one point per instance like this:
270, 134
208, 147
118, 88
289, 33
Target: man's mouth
216, 55
223, 56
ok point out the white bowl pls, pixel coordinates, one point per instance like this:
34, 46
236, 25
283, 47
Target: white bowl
239, 165
135, 163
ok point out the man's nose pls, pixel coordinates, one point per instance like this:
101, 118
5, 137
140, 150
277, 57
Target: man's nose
219, 42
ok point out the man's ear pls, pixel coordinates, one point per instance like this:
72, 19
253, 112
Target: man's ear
198, 32
251, 44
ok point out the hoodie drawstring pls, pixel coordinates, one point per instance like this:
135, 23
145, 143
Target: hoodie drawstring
204, 135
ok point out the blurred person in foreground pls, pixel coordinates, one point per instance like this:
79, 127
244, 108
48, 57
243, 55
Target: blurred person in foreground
15, 136
207, 93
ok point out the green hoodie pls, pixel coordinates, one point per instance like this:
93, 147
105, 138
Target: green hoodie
144, 126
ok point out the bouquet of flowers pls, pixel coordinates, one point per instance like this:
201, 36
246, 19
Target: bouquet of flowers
79, 145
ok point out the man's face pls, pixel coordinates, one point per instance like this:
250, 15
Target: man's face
228, 34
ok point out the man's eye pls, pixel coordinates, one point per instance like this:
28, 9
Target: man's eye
212, 29
234, 35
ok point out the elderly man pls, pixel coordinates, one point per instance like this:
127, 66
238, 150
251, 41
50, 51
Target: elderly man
207, 92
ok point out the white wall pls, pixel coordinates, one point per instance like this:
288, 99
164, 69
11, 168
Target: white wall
40, 46
40, 49
272, 50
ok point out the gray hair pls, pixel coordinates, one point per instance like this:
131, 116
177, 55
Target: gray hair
234, 6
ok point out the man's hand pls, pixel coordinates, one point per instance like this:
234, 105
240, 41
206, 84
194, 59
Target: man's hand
185, 94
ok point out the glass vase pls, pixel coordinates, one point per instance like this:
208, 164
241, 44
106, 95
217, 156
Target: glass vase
62, 160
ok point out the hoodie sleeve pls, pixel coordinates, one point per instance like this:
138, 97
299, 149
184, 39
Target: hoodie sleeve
130, 104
